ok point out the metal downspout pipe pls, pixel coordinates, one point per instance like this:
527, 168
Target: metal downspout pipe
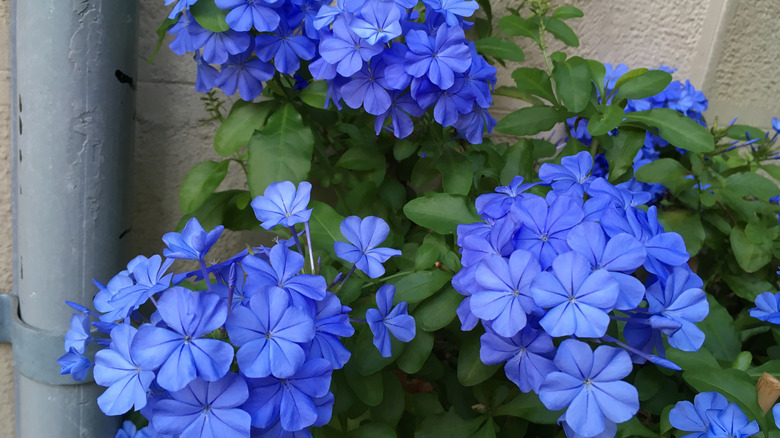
73, 78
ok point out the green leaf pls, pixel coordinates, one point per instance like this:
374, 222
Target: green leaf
161, 32
529, 407
500, 48
534, 81
426, 257
419, 285
572, 83
220, 208
324, 226
438, 311
471, 370
282, 151
692, 360
561, 31
633, 428
668, 172
236, 130
597, 74
368, 389
392, 406
748, 287
743, 361
750, 256
631, 74
514, 25
209, 16
365, 356
675, 128
441, 212
720, 335
362, 159
606, 120
200, 183
736, 385
621, 151
447, 425
514, 93
688, 224
315, 94
456, 174
646, 85
773, 170
403, 149
566, 12
373, 430
519, 161
416, 352
751, 184
531, 120
744, 132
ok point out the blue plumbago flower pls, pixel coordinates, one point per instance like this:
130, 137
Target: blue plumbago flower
291, 401
528, 356
116, 369
767, 308
245, 74
475, 247
578, 298
368, 88
453, 10
665, 250
128, 430
190, 36
282, 204
192, 243
205, 409
621, 254
731, 422
179, 349
379, 22
78, 336
438, 57
478, 79
497, 205
402, 105
207, 75
285, 48
364, 235
220, 45
680, 299
283, 272
75, 364
589, 386
610, 429
330, 324
396, 320
451, 103
149, 278
572, 174
347, 50
474, 124
180, 5
692, 417
776, 124
545, 226
270, 333
504, 295
245, 14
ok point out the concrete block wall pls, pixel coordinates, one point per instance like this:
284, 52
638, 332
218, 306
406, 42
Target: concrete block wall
725, 47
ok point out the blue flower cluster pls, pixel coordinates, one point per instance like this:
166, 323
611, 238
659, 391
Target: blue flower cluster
567, 265
711, 415
253, 353
375, 54
681, 97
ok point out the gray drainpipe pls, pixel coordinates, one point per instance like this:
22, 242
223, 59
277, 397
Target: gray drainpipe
73, 78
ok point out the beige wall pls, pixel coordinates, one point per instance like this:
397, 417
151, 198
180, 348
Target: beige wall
727, 47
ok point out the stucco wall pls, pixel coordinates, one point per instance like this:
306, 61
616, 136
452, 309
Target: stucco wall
726, 47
